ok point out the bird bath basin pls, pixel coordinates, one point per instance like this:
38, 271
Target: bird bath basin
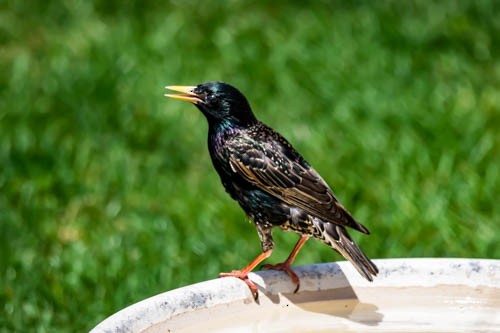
408, 295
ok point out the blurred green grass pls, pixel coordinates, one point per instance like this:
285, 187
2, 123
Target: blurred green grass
107, 193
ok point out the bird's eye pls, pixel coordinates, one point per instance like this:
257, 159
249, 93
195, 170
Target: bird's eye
212, 99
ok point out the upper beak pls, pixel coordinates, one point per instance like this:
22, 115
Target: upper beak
187, 94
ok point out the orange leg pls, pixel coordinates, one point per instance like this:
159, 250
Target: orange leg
243, 273
285, 266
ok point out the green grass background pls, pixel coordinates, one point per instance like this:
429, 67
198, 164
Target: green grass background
107, 192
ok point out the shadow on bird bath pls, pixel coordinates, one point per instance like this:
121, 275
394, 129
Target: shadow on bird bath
339, 301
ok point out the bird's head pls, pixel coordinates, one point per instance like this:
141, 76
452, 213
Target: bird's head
218, 101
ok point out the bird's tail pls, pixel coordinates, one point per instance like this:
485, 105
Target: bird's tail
337, 237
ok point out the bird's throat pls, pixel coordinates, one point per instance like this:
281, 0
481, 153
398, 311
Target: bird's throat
221, 131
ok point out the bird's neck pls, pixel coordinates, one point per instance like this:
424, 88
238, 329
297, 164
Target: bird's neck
222, 131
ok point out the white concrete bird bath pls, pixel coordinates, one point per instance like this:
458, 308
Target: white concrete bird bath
408, 295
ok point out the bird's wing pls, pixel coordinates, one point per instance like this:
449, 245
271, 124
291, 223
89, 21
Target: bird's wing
292, 180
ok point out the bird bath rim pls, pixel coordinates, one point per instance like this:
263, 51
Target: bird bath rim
470, 283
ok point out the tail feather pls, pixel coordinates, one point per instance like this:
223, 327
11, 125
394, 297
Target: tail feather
337, 237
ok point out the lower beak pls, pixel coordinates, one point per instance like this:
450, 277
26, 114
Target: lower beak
187, 95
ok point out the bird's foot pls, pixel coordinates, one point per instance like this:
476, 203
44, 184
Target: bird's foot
284, 266
243, 275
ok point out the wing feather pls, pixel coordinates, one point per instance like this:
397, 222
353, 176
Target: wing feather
293, 181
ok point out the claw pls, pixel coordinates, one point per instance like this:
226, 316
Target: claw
286, 268
242, 275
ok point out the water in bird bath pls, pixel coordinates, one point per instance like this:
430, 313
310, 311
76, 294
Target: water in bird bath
432, 309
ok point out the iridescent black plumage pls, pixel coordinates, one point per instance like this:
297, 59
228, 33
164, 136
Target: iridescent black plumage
273, 184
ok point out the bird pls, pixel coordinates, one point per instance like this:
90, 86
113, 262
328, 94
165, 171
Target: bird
271, 181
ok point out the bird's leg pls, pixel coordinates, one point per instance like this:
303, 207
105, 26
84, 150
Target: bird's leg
243, 273
285, 266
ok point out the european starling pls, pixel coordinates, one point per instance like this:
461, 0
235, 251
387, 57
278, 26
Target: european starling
273, 184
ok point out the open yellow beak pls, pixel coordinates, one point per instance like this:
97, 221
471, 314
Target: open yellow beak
187, 94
